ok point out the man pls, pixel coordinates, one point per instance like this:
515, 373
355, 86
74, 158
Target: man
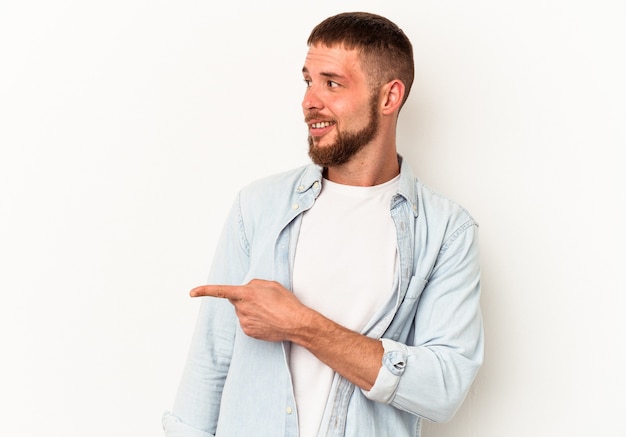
346, 294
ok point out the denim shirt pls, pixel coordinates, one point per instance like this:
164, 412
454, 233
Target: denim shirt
431, 328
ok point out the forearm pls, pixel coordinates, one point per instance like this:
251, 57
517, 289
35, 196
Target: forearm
268, 311
354, 356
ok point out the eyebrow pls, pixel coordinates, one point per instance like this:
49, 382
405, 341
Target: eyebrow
329, 75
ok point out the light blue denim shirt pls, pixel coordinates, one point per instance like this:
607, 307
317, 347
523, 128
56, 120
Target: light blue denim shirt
431, 328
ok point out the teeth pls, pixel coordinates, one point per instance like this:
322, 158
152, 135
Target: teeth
321, 124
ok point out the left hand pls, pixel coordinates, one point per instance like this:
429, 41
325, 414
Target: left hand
266, 310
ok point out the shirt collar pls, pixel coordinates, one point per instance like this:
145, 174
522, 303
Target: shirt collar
407, 188
312, 179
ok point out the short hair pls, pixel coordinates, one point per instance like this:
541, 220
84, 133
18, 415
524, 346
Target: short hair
386, 52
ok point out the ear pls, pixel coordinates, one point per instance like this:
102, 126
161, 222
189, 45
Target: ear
392, 94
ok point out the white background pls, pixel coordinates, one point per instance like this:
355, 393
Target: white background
126, 128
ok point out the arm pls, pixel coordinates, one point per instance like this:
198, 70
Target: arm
428, 375
197, 404
431, 372
268, 311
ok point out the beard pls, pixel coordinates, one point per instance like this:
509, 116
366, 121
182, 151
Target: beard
347, 144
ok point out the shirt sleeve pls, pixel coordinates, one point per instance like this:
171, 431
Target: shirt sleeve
393, 365
196, 408
430, 372
175, 428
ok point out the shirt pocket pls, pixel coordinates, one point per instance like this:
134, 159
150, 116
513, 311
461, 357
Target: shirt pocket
403, 320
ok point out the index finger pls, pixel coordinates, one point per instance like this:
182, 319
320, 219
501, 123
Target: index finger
231, 292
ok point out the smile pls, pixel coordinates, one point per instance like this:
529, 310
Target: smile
321, 124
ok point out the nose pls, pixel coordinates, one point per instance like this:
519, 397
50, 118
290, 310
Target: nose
311, 99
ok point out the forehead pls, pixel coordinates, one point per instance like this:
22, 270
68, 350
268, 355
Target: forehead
321, 59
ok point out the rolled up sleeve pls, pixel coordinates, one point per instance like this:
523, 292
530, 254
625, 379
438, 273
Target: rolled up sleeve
430, 371
393, 365
174, 427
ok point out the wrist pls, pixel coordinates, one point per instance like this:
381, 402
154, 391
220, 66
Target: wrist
311, 329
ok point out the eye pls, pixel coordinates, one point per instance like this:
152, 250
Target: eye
332, 84
307, 82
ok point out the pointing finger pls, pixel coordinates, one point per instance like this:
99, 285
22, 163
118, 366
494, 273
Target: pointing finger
231, 292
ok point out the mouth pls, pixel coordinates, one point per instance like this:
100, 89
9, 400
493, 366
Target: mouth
320, 127
320, 124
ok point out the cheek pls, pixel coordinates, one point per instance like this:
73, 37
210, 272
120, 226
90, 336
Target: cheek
358, 117
351, 112
346, 112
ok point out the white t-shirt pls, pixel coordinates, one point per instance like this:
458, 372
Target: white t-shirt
344, 268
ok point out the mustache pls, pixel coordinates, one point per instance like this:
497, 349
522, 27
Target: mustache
315, 115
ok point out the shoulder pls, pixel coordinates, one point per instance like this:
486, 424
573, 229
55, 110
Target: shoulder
267, 203
433, 202
441, 213
278, 185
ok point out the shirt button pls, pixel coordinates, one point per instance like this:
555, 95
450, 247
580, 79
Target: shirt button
295, 206
301, 187
316, 184
289, 410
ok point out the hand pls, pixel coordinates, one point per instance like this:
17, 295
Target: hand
266, 310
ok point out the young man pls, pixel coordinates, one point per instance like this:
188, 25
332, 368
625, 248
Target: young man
344, 296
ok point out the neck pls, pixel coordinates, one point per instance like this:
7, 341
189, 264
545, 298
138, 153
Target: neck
366, 169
